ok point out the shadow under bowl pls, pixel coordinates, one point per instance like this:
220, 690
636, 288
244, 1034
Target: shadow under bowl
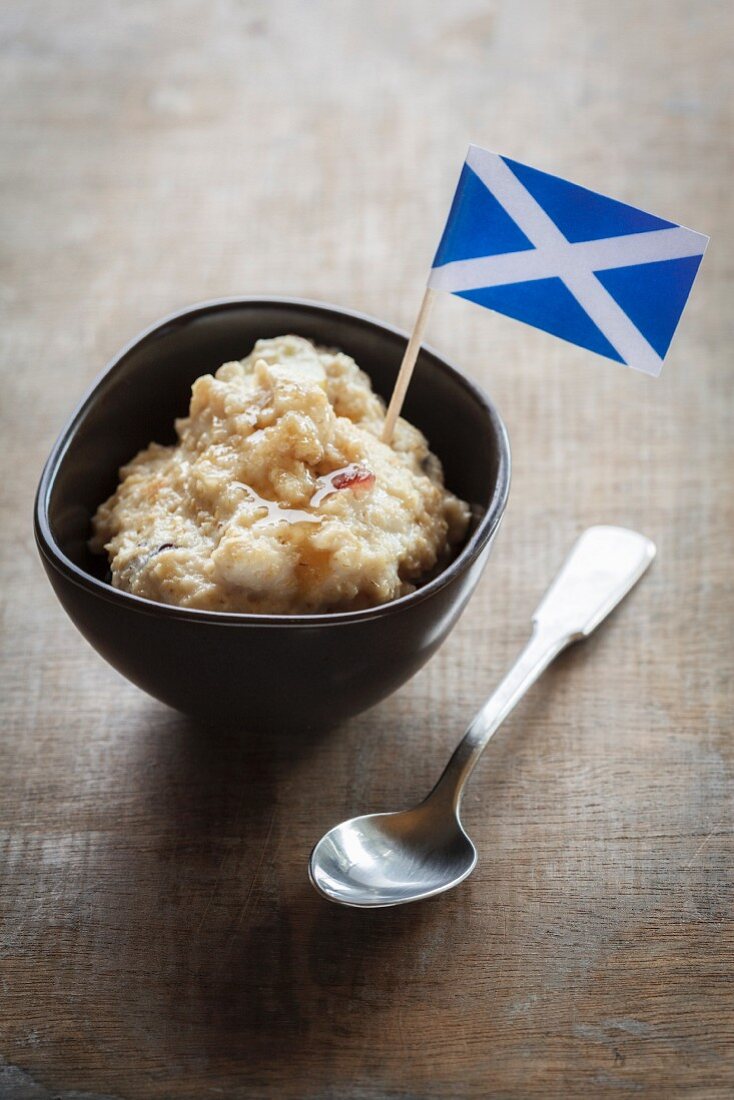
260, 670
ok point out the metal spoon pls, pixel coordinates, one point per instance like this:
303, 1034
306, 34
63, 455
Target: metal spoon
392, 858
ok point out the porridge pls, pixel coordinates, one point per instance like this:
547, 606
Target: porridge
280, 496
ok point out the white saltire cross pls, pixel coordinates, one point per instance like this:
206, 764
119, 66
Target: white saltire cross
574, 264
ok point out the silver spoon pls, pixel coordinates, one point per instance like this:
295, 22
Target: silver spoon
391, 858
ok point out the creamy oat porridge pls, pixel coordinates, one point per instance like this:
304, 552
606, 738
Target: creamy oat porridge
279, 496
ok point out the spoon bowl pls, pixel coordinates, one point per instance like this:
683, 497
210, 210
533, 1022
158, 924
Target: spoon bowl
386, 859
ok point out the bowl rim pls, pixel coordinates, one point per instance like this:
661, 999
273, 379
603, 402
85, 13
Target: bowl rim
485, 529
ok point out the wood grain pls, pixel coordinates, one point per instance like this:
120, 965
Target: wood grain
159, 937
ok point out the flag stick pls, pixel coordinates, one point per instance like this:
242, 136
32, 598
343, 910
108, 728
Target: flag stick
406, 367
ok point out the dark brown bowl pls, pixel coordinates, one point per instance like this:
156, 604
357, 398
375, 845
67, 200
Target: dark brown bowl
260, 670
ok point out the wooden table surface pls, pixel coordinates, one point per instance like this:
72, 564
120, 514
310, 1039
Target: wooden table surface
159, 936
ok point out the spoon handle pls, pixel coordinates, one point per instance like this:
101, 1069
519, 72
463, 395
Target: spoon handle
604, 564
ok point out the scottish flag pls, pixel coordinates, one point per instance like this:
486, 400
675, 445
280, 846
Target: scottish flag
577, 264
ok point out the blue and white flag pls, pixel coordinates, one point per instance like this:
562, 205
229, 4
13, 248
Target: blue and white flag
577, 264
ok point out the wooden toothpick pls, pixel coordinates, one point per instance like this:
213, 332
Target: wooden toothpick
406, 367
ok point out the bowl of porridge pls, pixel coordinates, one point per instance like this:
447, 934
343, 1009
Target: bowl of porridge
223, 521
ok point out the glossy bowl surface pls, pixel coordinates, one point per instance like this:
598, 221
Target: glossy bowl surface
260, 670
